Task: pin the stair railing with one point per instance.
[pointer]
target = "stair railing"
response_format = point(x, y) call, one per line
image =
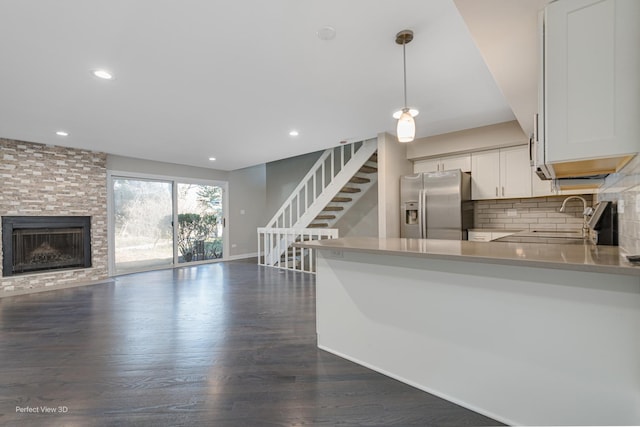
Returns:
point(331, 172)
point(334, 160)
point(280, 241)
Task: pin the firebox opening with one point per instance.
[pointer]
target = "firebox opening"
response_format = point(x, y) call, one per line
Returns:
point(38, 244)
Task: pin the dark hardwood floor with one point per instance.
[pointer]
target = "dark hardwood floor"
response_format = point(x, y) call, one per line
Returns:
point(226, 344)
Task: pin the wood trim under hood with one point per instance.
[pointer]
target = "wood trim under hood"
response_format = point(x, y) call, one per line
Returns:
point(590, 167)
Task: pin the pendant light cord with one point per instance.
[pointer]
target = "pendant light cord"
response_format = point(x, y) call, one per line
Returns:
point(404, 66)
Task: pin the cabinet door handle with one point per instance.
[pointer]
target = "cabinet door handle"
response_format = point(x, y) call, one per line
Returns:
point(502, 191)
point(496, 191)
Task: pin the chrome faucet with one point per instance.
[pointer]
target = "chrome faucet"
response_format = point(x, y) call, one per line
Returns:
point(587, 211)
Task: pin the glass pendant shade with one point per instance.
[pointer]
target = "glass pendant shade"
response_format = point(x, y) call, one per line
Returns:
point(406, 129)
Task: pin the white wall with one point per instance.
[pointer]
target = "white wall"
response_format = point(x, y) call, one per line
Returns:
point(392, 164)
point(150, 167)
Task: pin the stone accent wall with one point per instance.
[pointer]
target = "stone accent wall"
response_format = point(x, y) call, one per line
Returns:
point(50, 180)
point(539, 213)
point(624, 189)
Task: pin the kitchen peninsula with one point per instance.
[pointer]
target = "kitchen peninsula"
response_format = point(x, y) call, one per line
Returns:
point(525, 333)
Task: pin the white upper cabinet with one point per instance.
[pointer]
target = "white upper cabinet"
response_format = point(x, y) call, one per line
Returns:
point(428, 165)
point(515, 172)
point(591, 79)
point(501, 174)
point(462, 162)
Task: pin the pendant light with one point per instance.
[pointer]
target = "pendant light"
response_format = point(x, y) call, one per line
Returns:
point(406, 128)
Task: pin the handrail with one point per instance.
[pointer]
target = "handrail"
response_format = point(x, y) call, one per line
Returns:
point(312, 178)
point(276, 241)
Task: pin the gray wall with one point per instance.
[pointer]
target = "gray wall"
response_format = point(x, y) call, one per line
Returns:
point(282, 178)
point(247, 200)
point(362, 219)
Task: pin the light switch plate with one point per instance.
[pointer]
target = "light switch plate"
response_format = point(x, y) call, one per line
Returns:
point(621, 206)
point(512, 212)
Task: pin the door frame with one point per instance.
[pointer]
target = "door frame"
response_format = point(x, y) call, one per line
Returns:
point(174, 180)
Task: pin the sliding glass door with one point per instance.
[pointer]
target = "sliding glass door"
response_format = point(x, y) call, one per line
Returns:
point(143, 233)
point(159, 223)
point(200, 222)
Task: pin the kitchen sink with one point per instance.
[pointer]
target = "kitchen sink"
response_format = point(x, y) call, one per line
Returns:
point(566, 237)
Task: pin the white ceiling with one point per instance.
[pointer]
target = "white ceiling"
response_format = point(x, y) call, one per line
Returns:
point(202, 78)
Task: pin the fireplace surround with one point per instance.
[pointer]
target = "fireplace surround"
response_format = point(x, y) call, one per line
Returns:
point(33, 244)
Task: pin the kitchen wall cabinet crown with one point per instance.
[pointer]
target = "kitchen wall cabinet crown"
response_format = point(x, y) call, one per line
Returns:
point(501, 174)
point(591, 79)
point(461, 161)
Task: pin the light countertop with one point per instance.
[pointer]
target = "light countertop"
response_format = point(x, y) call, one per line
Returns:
point(587, 257)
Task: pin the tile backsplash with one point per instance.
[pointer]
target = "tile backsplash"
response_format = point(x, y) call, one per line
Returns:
point(540, 213)
point(624, 189)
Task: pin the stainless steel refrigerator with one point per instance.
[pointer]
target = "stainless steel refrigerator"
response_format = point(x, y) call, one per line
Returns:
point(436, 205)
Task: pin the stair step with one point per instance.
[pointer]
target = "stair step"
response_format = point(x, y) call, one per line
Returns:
point(374, 157)
point(359, 180)
point(333, 208)
point(318, 225)
point(321, 217)
point(341, 199)
point(368, 169)
point(350, 190)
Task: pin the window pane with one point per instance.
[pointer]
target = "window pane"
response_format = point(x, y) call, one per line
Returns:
point(200, 228)
point(143, 232)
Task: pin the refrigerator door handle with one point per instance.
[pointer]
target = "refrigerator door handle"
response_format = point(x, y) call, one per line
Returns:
point(423, 214)
point(420, 213)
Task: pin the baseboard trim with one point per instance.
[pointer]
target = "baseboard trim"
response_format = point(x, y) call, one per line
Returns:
point(29, 291)
point(241, 256)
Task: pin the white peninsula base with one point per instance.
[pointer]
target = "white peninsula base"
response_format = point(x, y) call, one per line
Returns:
point(523, 345)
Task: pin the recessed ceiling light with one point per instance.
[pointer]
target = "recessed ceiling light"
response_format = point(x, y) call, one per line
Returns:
point(326, 32)
point(212, 159)
point(294, 133)
point(62, 133)
point(102, 74)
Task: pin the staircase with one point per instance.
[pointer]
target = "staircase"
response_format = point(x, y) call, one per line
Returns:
point(333, 184)
point(354, 189)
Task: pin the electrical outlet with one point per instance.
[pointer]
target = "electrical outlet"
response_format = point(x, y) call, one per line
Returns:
point(241, 211)
point(233, 245)
point(621, 206)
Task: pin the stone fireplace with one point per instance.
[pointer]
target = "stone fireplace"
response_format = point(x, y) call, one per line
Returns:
point(33, 244)
point(43, 184)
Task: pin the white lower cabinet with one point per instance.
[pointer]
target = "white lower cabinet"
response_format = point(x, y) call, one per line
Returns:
point(501, 174)
point(487, 236)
